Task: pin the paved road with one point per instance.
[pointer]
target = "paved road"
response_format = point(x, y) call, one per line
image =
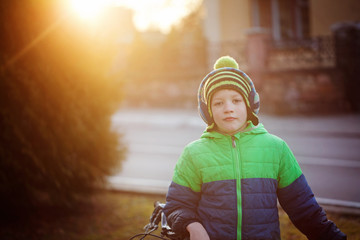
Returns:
point(327, 148)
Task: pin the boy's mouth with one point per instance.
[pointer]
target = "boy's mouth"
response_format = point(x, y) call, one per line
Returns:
point(229, 119)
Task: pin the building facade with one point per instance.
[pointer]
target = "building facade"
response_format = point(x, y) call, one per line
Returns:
point(297, 44)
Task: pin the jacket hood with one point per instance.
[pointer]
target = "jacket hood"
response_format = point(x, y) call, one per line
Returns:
point(251, 129)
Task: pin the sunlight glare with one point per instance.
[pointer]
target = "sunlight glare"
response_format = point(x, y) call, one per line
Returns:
point(88, 9)
point(158, 14)
point(148, 14)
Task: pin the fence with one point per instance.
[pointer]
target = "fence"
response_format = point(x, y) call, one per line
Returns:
point(299, 76)
point(312, 53)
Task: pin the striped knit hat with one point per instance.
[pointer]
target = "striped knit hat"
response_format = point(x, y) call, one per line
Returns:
point(226, 75)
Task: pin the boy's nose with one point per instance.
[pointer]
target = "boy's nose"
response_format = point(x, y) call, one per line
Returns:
point(228, 107)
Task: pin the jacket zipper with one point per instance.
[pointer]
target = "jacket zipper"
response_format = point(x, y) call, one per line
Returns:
point(238, 186)
point(233, 141)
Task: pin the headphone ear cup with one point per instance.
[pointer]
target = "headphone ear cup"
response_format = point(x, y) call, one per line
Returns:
point(204, 113)
point(254, 101)
point(254, 98)
point(251, 99)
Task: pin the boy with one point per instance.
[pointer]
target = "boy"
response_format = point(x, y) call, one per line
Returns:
point(227, 183)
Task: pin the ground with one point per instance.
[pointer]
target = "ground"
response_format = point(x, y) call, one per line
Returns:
point(109, 215)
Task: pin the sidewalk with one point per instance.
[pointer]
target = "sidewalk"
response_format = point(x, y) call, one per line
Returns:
point(348, 125)
point(341, 125)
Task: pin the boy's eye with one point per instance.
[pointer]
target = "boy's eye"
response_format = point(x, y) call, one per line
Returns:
point(237, 100)
point(217, 104)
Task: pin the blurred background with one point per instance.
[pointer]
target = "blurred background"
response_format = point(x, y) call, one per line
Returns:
point(77, 76)
point(299, 52)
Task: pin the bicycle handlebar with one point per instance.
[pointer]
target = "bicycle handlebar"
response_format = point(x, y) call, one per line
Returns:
point(156, 217)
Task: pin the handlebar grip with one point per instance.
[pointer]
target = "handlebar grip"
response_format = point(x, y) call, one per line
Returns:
point(159, 204)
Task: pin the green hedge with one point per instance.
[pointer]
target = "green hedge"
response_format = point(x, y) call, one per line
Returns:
point(56, 103)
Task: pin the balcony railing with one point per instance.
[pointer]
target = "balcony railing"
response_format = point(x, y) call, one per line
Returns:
point(312, 53)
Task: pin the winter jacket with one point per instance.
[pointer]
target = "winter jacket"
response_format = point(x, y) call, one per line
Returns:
point(231, 185)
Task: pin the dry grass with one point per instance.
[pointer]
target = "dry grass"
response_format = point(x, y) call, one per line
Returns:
point(118, 216)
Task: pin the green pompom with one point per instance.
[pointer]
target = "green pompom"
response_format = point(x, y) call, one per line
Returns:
point(226, 61)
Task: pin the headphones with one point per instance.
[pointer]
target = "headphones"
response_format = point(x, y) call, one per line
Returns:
point(253, 98)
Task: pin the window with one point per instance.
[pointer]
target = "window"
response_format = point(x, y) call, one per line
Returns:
point(288, 19)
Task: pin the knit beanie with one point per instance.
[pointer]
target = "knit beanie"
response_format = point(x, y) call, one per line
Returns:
point(226, 75)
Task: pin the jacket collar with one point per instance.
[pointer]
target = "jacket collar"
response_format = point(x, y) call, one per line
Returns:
point(251, 129)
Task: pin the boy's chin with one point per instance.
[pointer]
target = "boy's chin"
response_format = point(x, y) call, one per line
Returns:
point(230, 130)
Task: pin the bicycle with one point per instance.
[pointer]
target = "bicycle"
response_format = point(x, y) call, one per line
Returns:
point(157, 217)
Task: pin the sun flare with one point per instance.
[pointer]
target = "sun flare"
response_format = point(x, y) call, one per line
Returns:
point(88, 9)
point(148, 14)
point(159, 14)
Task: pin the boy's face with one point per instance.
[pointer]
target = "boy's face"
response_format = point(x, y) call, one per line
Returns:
point(229, 111)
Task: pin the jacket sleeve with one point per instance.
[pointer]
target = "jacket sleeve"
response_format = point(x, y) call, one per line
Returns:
point(298, 201)
point(183, 195)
